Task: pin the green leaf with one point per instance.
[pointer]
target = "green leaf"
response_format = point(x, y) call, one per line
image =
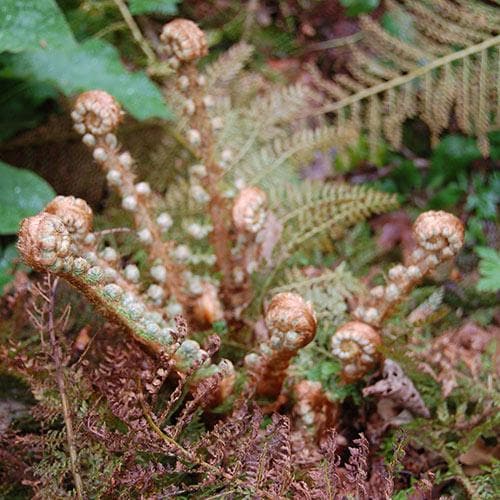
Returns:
point(474, 233)
point(489, 269)
point(28, 24)
point(356, 7)
point(447, 197)
point(22, 194)
point(93, 65)
point(7, 256)
point(485, 197)
point(494, 138)
point(166, 7)
point(451, 157)
point(407, 177)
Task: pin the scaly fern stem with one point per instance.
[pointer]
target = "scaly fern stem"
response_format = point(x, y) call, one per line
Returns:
point(56, 356)
point(412, 75)
point(158, 250)
point(218, 209)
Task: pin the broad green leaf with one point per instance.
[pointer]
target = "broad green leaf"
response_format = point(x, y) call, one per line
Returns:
point(22, 194)
point(93, 65)
point(28, 24)
point(489, 269)
point(166, 7)
point(7, 256)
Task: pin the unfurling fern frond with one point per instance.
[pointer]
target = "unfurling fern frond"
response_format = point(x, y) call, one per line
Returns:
point(448, 63)
point(327, 292)
point(309, 209)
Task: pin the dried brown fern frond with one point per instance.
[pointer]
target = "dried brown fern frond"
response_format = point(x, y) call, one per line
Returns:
point(448, 64)
point(330, 480)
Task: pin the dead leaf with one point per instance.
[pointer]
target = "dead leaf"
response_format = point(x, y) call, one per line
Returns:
point(479, 454)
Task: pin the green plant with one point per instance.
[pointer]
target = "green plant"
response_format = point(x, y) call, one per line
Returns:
point(260, 388)
point(39, 56)
point(392, 79)
point(357, 7)
point(489, 268)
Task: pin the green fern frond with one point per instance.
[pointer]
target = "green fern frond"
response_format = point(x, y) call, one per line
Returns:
point(327, 293)
point(282, 104)
point(227, 67)
point(450, 65)
point(299, 148)
point(273, 163)
point(179, 202)
point(309, 209)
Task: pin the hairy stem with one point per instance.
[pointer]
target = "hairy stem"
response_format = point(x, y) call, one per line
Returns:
point(56, 356)
point(219, 211)
point(136, 32)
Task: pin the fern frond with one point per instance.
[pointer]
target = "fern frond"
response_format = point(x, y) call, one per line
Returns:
point(297, 149)
point(428, 308)
point(327, 293)
point(178, 200)
point(391, 80)
point(309, 209)
point(227, 67)
point(282, 104)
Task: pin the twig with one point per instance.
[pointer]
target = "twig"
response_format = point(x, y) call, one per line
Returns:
point(136, 32)
point(56, 356)
point(119, 25)
point(249, 22)
point(334, 42)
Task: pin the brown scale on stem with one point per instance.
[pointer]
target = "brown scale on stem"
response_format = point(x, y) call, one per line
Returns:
point(355, 344)
point(46, 245)
point(249, 214)
point(439, 237)
point(183, 40)
point(97, 115)
point(75, 213)
point(186, 43)
point(292, 325)
point(77, 217)
point(207, 308)
point(313, 409)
